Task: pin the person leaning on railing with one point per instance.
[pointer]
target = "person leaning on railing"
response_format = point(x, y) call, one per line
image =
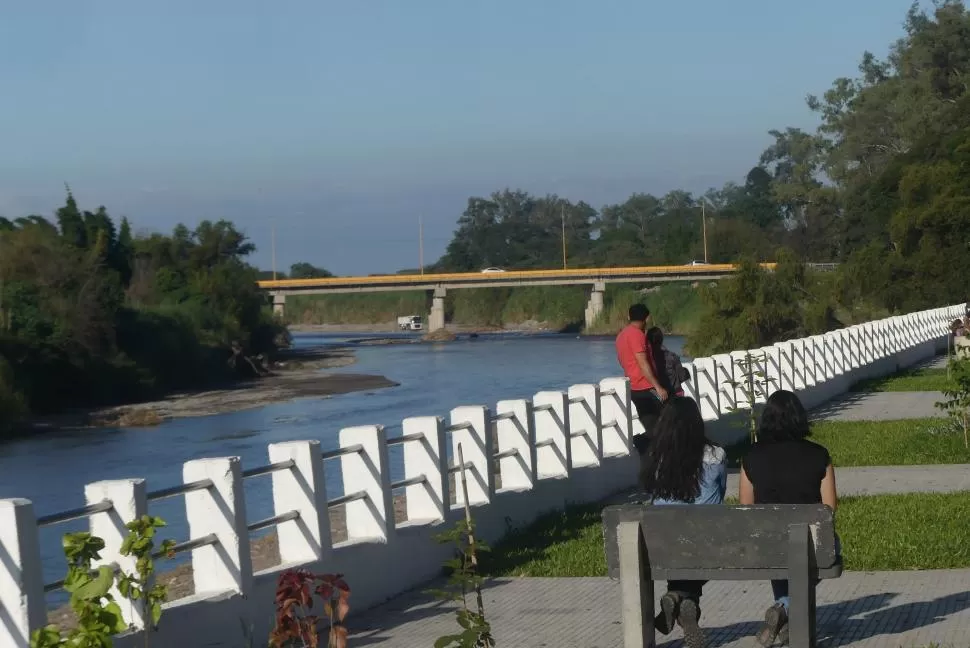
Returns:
point(635, 356)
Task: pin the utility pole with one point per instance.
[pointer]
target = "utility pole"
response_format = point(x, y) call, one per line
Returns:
point(273, 235)
point(421, 243)
point(562, 215)
point(704, 226)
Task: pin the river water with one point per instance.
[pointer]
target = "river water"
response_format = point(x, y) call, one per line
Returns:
point(51, 469)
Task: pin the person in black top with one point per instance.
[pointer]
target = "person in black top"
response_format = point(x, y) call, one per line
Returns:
point(784, 467)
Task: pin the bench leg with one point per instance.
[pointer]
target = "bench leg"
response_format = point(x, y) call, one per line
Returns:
point(636, 587)
point(802, 571)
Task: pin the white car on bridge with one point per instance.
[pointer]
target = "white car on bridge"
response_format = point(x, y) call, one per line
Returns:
point(492, 270)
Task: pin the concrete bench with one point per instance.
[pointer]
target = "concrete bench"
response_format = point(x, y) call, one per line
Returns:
point(645, 543)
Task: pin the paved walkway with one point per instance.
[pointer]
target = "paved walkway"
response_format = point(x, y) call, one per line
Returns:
point(882, 609)
point(860, 609)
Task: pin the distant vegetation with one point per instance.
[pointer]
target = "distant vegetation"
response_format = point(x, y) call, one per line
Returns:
point(90, 314)
point(676, 307)
point(881, 187)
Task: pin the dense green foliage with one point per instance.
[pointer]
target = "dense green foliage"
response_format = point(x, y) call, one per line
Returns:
point(90, 314)
point(555, 307)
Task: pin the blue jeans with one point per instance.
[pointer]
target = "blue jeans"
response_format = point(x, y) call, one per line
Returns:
point(779, 588)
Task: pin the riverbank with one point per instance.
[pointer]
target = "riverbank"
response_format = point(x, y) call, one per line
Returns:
point(296, 374)
point(676, 309)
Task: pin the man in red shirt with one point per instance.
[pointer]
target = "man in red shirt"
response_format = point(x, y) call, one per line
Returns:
point(632, 351)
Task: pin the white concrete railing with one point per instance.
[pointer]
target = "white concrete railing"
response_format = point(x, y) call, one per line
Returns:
point(556, 448)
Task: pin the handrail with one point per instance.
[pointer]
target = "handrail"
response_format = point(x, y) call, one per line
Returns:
point(271, 468)
point(76, 513)
point(273, 521)
point(339, 452)
point(405, 438)
point(344, 499)
point(181, 489)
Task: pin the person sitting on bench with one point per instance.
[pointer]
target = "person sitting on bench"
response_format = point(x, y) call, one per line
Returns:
point(784, 467)
point(680, 466)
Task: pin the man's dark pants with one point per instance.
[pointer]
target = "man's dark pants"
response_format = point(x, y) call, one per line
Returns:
point(648, 411)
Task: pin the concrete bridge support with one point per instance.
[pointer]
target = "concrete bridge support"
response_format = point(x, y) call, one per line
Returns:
point(279, 305)
point(594, 308)
point(436, 321)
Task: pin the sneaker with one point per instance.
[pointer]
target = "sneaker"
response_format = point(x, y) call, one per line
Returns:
point(687, 617)
point(664, 622)
point(776, 619)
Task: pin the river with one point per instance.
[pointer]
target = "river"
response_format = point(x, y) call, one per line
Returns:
point(51, 469)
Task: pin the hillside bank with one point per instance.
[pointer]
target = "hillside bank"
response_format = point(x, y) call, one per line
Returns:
point(676, 308)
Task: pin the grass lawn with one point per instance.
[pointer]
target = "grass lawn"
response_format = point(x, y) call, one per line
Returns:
point(879, 533)
point(911, 380)
point(886, 443)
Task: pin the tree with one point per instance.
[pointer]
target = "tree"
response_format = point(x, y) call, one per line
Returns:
point(303, 270)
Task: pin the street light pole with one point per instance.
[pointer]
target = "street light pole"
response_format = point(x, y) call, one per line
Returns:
point(273, 235)
point(704, 226)
point(562, 215)
point(421, 243)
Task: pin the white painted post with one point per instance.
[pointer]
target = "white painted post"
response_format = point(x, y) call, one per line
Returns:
point(823, 362)
point(21, 578)
point(471, 429)
point(708, 390)
point(129, 502)
point(724, 374)
point(616, 416)
point(426, 456)
point(738, 361)
point(770, 378)
point(584, 418)
point(553, 454)
point(811, 368)
point(303, 489)
point(690, 386)
point(515, 433)
point(226, 565)
point(370, 518)
point(835, 352)
point(786, 370)
point(868, 344)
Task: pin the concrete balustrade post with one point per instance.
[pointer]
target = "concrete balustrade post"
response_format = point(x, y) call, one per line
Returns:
point(471, 429)
point(690, 386)
point(740, 361)
point(822, 363)
point(708, 389)
point(616, 419)
point(426, 456)
point(303, 489)
point(220, 510)
point(129, 503)
point(585, 432)
point(786, 370)
point(515, 433)
point(21, 578)
point(553, 452)
point(727, 398)
point(370, 518)
point(769, 367)
point(835, 342)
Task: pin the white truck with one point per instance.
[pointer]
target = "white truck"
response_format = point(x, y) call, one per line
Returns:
point(410, 323)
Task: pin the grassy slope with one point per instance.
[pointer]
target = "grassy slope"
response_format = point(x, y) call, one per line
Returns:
point(908, 380)
point(676, 307)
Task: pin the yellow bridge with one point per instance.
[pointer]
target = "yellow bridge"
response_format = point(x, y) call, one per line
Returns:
point(439, 283)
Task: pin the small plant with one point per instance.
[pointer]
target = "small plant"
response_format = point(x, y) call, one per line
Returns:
point(957, 403)
point(753, 384)
point(296, 626)
point(98, 614)
point(139, 587)
point(464, 579)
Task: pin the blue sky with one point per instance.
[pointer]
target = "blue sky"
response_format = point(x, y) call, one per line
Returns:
point(346, 120)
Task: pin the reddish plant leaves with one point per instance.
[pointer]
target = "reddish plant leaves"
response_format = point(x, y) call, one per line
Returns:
point(295, 625)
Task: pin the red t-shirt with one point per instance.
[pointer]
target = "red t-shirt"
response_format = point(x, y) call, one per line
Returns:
point(629, 342)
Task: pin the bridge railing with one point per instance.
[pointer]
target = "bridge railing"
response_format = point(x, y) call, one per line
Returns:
point(526, 457)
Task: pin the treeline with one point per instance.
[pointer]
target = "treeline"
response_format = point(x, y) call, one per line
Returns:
point(553, 307)
point(91, 314)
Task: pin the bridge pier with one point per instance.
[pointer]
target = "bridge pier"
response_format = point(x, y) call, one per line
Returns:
point(279, 305)
point(436, 321)
point(594, 308)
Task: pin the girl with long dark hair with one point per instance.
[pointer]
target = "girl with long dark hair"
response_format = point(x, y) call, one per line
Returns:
point(681, 467)
point(784, 467)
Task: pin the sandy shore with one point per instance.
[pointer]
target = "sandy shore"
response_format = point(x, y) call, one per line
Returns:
point(297, 375)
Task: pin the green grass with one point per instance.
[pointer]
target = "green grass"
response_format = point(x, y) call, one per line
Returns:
point(878, 533)
point(885, 443)
point(913, 380)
